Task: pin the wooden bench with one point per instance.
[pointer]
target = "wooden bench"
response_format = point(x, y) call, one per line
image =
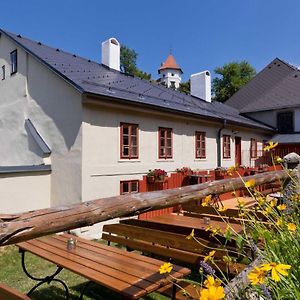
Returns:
point(149, 237)
point(230, 213)
point(8, 293)
point(129, 274)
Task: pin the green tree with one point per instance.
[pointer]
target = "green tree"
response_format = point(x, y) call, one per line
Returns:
point(128, 58)
point(232, 77)
point(185, 87)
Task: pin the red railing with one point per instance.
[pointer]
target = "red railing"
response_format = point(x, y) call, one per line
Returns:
point(179, 179)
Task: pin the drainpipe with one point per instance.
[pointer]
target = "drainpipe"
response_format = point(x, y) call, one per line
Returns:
point(219, 143)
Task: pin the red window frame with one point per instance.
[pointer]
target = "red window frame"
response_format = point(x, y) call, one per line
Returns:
point(129, 189)
point(165, 143)
point(253, 148)
point(129, 150)
point(226, 146)
point(200, 144)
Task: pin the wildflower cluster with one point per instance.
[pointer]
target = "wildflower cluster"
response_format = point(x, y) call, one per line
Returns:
point(270, 229)
point(259, 274)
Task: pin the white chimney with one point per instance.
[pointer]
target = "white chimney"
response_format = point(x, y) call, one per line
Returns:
point(201, 85)
point(111, 53)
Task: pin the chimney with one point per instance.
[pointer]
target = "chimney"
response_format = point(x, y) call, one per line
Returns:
point(111, 54)
point(201, 85)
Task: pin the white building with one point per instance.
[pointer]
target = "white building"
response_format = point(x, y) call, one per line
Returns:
point(73, 130)
point(170, 73)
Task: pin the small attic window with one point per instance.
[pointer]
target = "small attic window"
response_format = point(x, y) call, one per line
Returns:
point(14, 62)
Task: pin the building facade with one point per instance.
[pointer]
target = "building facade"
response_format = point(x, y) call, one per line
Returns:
point(74, 130)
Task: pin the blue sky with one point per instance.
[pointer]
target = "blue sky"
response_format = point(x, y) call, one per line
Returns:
point(203, 34)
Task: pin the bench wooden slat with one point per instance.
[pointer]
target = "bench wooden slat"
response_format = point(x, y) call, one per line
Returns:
point(167, 239)
point(179, 255)
point(231, 213)
point(8, 293)
point(180, 228)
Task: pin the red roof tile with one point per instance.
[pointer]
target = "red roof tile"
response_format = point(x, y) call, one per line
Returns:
point(170, 63)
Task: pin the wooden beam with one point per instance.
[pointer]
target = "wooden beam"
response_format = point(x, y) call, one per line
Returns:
point(25, 226)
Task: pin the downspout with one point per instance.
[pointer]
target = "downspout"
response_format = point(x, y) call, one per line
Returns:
point(219, 143)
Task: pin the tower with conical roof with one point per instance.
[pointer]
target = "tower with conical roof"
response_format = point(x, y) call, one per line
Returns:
point(170, 72)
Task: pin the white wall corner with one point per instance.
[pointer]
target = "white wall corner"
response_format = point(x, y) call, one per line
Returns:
point(111, 53)
point(201, 85)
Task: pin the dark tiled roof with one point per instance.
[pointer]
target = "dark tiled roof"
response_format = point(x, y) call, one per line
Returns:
point(91, 77)
point(276, 86)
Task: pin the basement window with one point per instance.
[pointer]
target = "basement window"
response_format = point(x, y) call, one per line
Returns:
point(129, 186)
point(14, 62)
point(3, 72)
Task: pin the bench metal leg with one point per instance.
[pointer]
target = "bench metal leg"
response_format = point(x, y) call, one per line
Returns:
point(173, 291)
point(47, 279)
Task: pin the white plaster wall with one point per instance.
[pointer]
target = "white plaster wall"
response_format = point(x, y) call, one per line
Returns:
point(270, 117)
point(297, 119)
point(102, 167)
point(16, 148)
point(24, 192)
point(168, 77)
point(55, 109)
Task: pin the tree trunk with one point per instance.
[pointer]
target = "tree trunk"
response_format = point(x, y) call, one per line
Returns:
point(25, 226)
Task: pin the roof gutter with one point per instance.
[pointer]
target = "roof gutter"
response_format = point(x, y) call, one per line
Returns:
point(86, 94)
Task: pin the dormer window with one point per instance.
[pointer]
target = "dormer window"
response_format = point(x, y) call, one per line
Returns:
point(14, 62)
point(285, 122)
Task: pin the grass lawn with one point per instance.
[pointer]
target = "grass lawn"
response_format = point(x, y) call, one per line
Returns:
point(11, 273)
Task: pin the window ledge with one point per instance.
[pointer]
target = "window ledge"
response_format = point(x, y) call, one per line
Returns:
point(200, 159)
point(165, 160)
point(125, 160)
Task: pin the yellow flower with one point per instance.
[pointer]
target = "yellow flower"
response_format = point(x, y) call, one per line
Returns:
point(261, 200)
point(292, 227)
point(267, 210)
point(257, 276)
point(208, 228)
point(222, 209)
point(232, 169)
point(212, 293)
point(250, 183)
point(278, 159)
point(215, 231)
point(165, 268)
point(241, 203)
point(276, 269)
point(210, 281)
point(278, 222)
point(191, 235)
point(209, 256)
point(271, 146)
point(281, 207)
point(273, 202)
point(206, 200)
point(227, 259)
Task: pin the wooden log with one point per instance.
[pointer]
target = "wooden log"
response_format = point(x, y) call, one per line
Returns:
point(37, 223)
